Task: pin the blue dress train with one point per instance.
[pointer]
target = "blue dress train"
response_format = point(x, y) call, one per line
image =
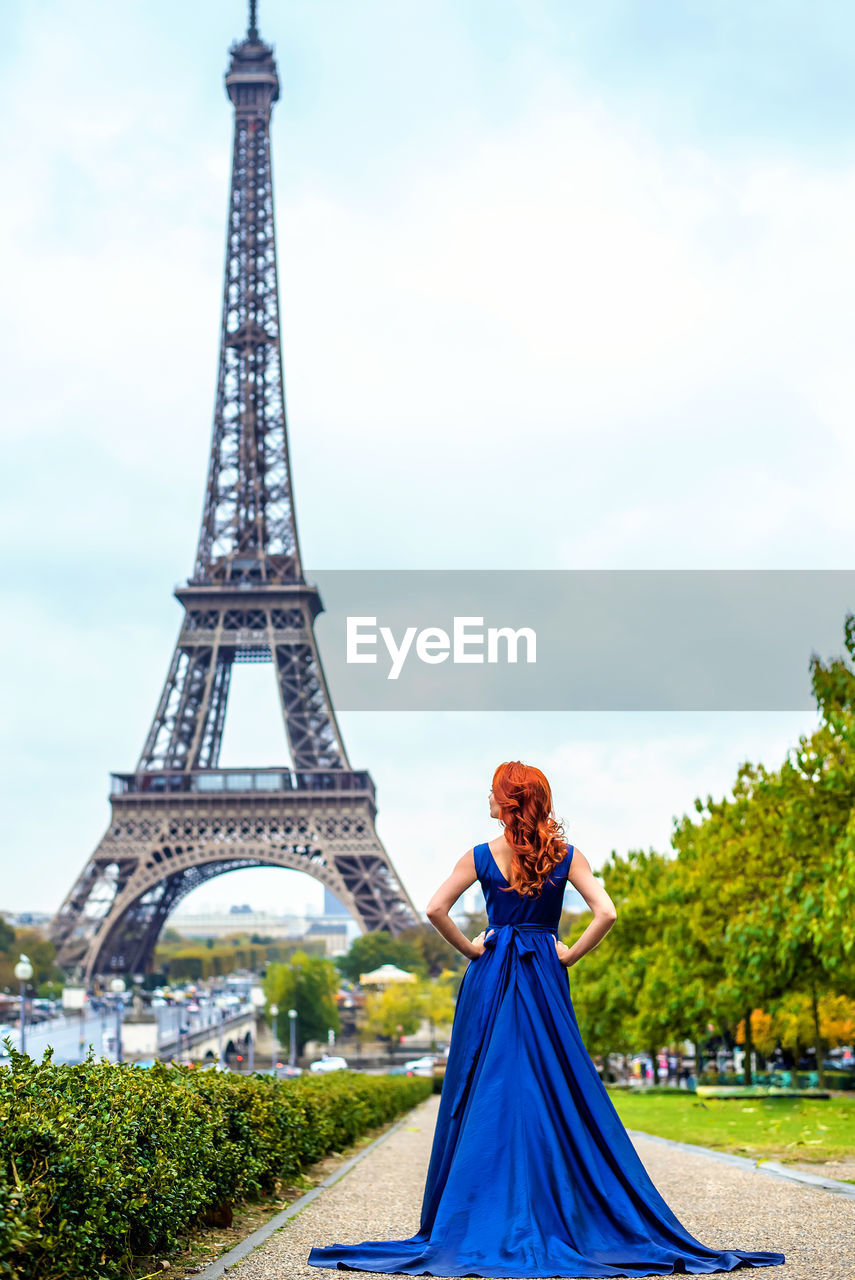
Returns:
point(531, 1173)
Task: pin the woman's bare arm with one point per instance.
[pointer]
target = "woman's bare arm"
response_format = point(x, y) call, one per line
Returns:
point(463, 875)
point(582, 878)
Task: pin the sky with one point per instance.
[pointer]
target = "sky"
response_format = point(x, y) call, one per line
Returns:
point(563, 286)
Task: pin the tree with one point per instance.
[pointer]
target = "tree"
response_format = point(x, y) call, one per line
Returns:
point(763, 1032)
point(371, 950)
point(308, 984)
point(749, 837)
point(40, 951)
point(833, 686)
point(395, 1010)
point(433, 951)
point(793, 1023)
point(607, 983)
point(437, 1001)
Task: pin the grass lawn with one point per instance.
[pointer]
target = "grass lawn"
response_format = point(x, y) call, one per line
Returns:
point(781, 1128)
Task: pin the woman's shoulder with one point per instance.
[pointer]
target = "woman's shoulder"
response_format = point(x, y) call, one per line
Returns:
point(478, 853)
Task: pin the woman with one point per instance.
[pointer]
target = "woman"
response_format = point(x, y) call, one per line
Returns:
point(531, 1172)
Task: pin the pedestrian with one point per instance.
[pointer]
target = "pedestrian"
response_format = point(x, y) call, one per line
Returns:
point(531, 1173)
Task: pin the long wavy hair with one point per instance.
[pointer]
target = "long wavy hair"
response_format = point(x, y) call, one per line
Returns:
point(537, 839)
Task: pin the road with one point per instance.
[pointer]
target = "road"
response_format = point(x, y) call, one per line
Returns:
point(71, 1034)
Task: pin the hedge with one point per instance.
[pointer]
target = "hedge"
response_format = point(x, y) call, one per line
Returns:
point(101, 1164)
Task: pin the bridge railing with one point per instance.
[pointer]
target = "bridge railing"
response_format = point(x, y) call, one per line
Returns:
point(204, 1027)
point(237, 781)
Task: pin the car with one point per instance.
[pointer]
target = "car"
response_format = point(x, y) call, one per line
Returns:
point(329, 1062)
point(420, 1066)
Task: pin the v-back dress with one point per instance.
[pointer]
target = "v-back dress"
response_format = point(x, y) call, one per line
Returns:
point(531, 1173)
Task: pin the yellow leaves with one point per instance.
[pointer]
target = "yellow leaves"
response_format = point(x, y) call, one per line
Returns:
point(762, 1032)
point(792, 1023)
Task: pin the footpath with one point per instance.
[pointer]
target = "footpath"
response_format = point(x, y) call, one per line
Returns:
point(378, 1196)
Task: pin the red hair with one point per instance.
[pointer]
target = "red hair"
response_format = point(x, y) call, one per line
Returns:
point(524, 798)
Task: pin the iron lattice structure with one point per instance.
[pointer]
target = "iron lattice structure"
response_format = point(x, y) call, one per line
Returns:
point(179, 820)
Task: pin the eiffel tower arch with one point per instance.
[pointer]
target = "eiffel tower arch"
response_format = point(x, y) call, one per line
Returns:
point(179, 820)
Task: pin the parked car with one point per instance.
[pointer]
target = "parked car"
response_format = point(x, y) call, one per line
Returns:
point(838, 1064)
point(48, 1007)
point(329, 1062)
point(420, 1066)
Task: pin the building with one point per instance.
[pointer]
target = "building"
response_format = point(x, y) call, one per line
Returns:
point(219, 923)
point(333, 933)
point(336, 933)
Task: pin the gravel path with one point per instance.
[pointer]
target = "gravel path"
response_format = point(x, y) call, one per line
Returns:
point(725, 1207)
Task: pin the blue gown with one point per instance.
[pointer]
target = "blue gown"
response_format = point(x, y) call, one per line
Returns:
point(532, 1173)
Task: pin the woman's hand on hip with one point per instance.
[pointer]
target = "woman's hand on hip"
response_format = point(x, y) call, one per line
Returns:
point(478, 941)
point(564, 953)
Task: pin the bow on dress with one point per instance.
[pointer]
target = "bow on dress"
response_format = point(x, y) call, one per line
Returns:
point(486, 1000)
point(522, 936)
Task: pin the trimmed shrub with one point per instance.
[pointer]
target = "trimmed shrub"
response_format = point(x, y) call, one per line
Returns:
point(101, 1163)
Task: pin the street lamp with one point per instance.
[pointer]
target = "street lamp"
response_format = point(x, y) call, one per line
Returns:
point(23, 972)
point(257, 1001)
point(117, 986)
point(292, 1055)
point(274, 1013)
point(178, 998)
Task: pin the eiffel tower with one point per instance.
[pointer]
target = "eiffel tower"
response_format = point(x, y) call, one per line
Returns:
point(179, 820)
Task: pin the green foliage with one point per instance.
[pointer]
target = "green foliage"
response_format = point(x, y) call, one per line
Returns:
point(100, 1163)
point(198, 960)
point(757, 905)
point(40, 951)
point(398, 1009)
point(370, 950)
point(607, 982)
point(309, 985)
point(792, 1024)
point(394, 1011)
point(433, 953)
point(439, 998)
point(7, 936)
